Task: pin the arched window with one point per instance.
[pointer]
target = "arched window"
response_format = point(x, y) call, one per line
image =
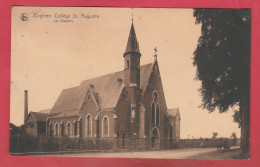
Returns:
point(153, 113)
point(75, 128)
point(68, 129)
point(127, 63)
point(97, 126)
point(105, 127)
point(155, 109)
point(155, 96)
point(56, 132)
point(88, 125)
point(50, 129)
point(157, 114)
point(89, 97)
point(79, 127)
point(62, 129)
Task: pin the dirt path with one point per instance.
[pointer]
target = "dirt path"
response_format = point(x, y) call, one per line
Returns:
point(166, 154)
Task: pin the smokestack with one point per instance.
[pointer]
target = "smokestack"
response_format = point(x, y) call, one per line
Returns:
point(25, 104)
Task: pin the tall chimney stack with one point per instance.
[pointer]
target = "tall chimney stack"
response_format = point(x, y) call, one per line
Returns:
point(25, 104)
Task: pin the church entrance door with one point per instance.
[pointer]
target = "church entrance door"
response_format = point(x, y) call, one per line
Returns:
point(123, 140)
point(155, 140)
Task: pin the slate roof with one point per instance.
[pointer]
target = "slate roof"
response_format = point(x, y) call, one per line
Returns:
point(47, 111)
point(132, 44)
point(39, 116)
point(173, 112)
point(67, 114)
point(107, 89)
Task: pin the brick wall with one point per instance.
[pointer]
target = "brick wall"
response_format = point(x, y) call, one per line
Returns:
point(65, 121)
point(31, 126)
point(155, 83)
point(90, 108)
point(123, 116)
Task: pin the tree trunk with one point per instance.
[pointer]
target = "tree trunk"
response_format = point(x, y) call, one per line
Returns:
point(245, 128)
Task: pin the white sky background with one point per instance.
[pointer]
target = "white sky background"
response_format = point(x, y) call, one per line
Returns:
point(48, 57)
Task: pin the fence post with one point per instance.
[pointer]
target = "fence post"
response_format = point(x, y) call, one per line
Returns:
point(101, 145)
point(136, 143)
point(149, 143)
point(18, 142)
point(76, 144)
point(60, 144)
point(130, 145)
point(41, 143)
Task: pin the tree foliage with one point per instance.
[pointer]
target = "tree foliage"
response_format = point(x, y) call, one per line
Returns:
point(14, 130)
point(234, 135)
point(222, 57)
point(237, 117)
point(215, 134)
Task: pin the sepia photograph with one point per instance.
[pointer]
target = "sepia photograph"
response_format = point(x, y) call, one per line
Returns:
point(162, 83)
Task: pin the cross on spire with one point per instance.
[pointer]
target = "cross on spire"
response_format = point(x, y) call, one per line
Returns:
point(155, 50)
point(132, 16)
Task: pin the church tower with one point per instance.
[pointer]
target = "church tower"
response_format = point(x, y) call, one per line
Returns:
point(132, 57)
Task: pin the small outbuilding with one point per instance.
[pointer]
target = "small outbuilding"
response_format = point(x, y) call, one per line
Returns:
point(35, 123)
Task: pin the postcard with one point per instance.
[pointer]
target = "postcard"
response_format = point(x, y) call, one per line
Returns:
point(130, 82)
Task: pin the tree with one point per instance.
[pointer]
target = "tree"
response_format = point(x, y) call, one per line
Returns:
point(13, 129)
point(215, 134)
point(222, 58)
point(234, 135)
point(237, 118)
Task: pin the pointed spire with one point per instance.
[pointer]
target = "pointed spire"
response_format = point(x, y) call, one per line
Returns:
point(132, 44)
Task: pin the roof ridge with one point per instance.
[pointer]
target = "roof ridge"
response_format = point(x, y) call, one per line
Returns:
point(109, 74)
point(106, 86)
point(70, 87)
point(99, 77)
point(40, 113)
point(37, 113)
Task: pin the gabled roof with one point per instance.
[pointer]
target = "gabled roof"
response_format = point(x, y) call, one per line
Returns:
point(47, 111)
point(67, 114)
point(107, 88)
point(173, 112)
point(41, 117)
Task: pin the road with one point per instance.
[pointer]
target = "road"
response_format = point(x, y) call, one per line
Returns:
point(165, 154)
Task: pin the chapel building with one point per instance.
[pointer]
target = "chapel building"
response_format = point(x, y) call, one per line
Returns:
point(121, 105)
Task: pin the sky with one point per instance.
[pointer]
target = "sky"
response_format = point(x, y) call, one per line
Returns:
point(48, 55)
